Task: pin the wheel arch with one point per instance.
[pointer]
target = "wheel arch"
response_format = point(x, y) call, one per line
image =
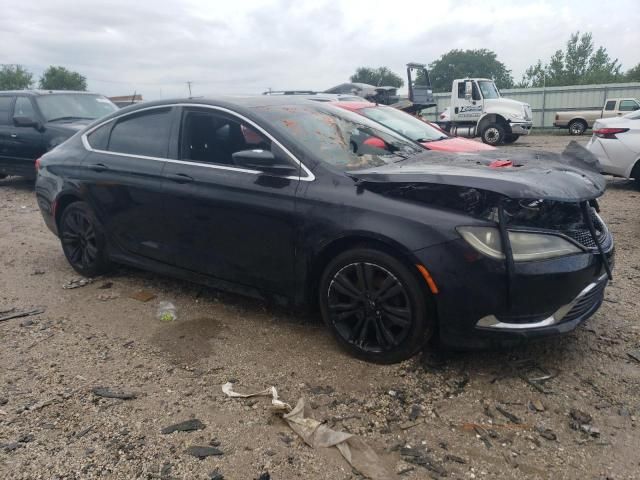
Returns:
point(62, 202)
point(490, 118)
point(331, 249)
point(634, 170)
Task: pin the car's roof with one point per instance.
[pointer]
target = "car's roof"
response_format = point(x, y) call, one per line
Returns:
point(44, 92)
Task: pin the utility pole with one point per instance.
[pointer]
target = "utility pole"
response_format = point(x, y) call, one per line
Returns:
point(189, 84)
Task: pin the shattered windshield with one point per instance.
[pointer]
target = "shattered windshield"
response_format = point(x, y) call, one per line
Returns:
point(343, 139)
point(489, 89)
point(403, 123)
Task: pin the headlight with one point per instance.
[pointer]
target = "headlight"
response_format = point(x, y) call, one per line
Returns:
point(526, 246)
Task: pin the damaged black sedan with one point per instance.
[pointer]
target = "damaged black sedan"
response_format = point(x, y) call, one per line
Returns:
point(303, 203)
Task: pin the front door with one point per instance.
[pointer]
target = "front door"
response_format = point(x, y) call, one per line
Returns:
point(228, 222)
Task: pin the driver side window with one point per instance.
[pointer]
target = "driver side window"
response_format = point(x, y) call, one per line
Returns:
point(24, 108)
point(210, 137)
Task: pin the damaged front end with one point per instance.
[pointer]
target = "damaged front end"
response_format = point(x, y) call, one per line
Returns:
point(539, 233)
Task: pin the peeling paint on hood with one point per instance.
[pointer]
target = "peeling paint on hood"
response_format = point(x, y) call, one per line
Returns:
point(572, 176)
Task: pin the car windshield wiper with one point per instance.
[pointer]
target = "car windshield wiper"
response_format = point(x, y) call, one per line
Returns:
point(69, 118)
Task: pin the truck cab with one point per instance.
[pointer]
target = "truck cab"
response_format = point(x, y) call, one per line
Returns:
point(478, 109)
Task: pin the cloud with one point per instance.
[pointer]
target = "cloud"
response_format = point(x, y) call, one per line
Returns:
point(248, 46)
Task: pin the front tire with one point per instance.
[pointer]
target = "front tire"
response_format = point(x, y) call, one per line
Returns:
point(375, 306)
point(577, 127)
point(83, 240)
point(493, 134)
point(509, 139)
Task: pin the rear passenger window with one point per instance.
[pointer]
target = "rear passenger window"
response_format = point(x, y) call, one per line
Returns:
point(146, 134)
point(24, 108)
point(5, 106)
point(628, 106)
point(611, 105)
point(99, 138)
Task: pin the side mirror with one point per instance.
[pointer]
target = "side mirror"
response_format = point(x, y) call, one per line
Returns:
point(264, 161)
point(26, 122)
point(468, 89)
point(375, 142)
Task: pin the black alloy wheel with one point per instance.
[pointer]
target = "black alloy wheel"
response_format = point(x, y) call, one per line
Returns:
point(577, 127)
point(375, 306)
point(83, 240)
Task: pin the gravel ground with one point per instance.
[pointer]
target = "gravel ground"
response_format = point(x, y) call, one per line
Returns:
point(459, 415)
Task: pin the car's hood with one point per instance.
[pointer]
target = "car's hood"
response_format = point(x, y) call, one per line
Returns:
point(572, 176)
point(72, 125)
point(457, 144)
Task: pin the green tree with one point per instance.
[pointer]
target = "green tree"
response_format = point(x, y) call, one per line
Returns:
point(468, 63)
point(14, 77)
point(633, 74)
point(580, 63)
point(59, 78)
point(379, 77)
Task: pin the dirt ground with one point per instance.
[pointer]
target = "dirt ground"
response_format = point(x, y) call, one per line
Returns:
point(454, 415)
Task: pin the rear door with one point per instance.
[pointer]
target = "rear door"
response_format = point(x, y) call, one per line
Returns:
point(123, 177)
point(7, 142)
point(228, 222)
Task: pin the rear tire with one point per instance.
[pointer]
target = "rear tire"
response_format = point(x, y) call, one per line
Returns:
point(83, 240)
point(493, 134)
point(508, 139)
point(577, 127)
point(375, 306)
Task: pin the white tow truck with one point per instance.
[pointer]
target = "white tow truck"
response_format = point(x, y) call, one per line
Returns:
point(478, 110)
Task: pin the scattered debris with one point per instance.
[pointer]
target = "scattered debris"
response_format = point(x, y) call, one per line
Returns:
point(510, 416)
point(20, 314)
point(327, 390)
point(142, 295)
point(216, 475)
point(105, 297)
point(77, 283)
point(107, 393)
point(203, 452)
point(315, 434)
point(38, 272)
point(580, 416)
point(186, 426)
point(10, 447)
point(415, 412)
point(106, 285)
point(26, 438)
point(536, 405)
point(581, 421)
point(166, 312)
point(423, 459)
point(454, 458)
point(482, 434)
point(635, 354)
point(26, 323)
point(591, 430)
point(546, 433)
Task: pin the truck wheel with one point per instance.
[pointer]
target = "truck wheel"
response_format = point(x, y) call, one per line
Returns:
point(493, 134)
point(2, 176)
point(577, 127)
point(511, 138)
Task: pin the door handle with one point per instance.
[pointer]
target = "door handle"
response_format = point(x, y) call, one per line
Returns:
point(98, 167)
point(179, 178)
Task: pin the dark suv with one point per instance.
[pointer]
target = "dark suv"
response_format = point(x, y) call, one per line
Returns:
point(33, 122)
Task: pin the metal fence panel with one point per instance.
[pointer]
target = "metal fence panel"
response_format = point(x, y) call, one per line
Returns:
point(546, 101)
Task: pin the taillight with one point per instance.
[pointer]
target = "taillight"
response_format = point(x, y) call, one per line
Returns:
point(608, 132)
point(38, 164)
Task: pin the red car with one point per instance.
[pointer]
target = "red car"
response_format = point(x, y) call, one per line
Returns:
point(431, 137)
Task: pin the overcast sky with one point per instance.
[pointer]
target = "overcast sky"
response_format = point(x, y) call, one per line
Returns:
point(246, 46)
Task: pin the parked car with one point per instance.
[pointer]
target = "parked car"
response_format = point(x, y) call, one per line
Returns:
point(616, 144)
point(431, 137)
point(577, 121)
point(32, 122)
point(266, 196)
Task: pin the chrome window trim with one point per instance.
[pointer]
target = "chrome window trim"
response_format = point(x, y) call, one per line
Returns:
point(310, 177)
